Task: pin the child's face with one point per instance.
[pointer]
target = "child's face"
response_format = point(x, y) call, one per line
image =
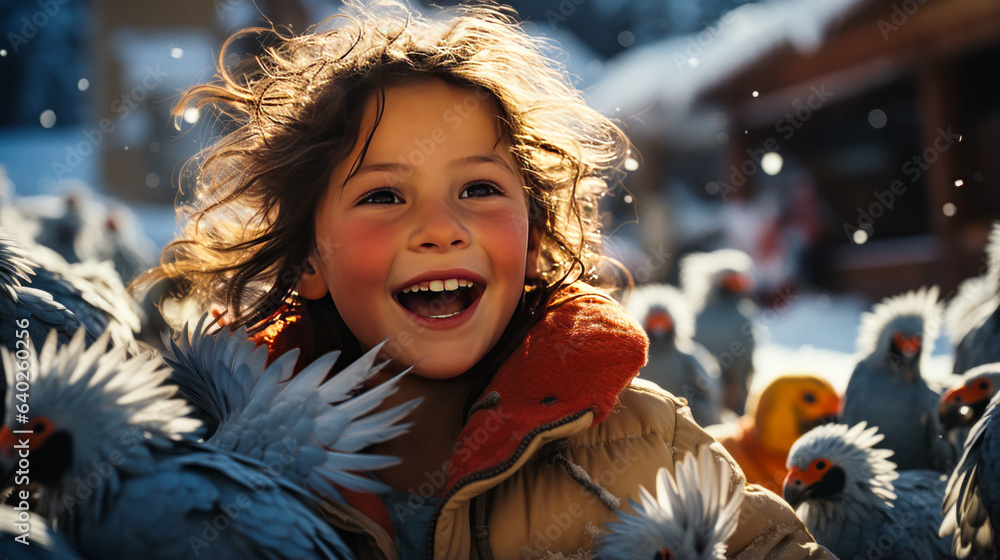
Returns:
point(427, 244)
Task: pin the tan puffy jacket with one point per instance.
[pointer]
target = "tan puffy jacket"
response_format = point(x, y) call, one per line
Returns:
point(568, 390)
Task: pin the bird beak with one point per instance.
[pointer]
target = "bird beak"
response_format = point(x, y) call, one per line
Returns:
point(797, 485)
point(659, 324)
point(909, 347)
point(963, 406)
point(830, 404)
point(737, 283)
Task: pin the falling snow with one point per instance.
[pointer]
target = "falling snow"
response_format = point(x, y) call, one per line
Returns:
point(47, 118)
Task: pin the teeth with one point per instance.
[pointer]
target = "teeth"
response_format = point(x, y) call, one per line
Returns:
point(444, 316)
point(450, 284)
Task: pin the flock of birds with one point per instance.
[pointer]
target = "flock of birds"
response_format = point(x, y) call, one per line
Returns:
point(119, 441)
point(893, 468)
point(113, 447)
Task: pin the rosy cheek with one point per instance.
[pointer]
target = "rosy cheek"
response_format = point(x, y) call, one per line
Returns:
point(509, 234)
point(364, 250)
point(512, 217)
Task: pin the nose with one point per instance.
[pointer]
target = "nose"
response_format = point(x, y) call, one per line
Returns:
point(438, 226)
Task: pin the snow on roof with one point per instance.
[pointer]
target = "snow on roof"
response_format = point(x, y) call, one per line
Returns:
point(660, 82)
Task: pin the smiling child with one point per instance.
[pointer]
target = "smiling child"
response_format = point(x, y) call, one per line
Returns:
point(434, 183)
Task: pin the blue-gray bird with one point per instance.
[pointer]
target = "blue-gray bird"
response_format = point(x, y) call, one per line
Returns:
point(887, 388)
point(853, 500)
point(22, 303)
point(67, 232)
point(719, 286)
point(27, 313)
point(258, 410)
point(971, 506)
point(26, 536)
point(964, 403)
point(125, 245)
point(124, 475)
point(968, 307)
point(693, 514)
point(676, 362)
point(980, 344)
point(93, 291)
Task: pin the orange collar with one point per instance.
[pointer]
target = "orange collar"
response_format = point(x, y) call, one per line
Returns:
point(578, 358)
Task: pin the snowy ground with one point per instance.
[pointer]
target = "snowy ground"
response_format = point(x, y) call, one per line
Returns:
point(816, 334)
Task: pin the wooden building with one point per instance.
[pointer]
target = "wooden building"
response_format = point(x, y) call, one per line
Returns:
point(896, 116)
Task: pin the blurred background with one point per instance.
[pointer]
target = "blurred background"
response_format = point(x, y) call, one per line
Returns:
point(850, 147)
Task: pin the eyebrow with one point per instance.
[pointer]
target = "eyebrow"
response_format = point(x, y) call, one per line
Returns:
point(482, 158)
point(457, 162)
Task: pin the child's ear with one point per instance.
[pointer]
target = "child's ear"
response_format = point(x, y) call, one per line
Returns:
point(312, 284)
point(531, 262)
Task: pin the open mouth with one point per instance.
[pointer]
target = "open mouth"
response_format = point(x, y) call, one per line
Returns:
point(439, 299)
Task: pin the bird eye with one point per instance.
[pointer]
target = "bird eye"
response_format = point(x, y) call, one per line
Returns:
point(984, 385)
point(821, 465)
point(809, 397)
point(958, 398)
point(39, 428)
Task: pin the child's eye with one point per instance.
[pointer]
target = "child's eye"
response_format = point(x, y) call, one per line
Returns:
point(380, 196)
point(480, 189)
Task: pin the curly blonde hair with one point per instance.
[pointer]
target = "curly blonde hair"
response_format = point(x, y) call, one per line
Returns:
point(294, 112)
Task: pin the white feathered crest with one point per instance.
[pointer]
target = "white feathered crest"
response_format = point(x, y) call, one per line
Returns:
point(15, 266)
point(692, 514)
point(993, 256)
point(868, 471)
point(966, 309)
point(107, 401)
point(315, 425)
point(650, 296)
point(699, 272)
point(913, 311)
point(973, 375)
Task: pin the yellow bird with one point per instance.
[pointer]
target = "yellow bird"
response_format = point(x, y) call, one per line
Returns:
point(788, 407)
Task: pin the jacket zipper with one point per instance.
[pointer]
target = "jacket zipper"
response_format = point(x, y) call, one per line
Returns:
point(481, 475)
